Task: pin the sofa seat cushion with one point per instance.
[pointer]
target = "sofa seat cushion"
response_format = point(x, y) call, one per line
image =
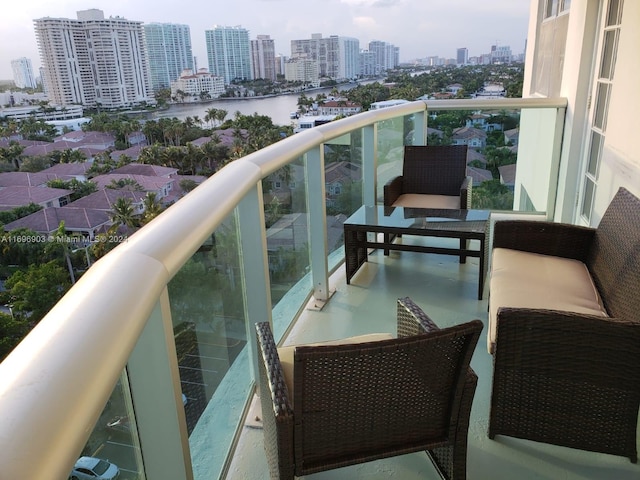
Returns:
point(417, 200)
point(286, 353)
point(531, 280)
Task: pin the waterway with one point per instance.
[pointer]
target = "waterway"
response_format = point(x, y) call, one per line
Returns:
point(278, 107)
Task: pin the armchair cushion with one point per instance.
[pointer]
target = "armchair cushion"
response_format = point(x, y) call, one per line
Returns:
point(531, 280)
point(417, 200)
point(286, 353)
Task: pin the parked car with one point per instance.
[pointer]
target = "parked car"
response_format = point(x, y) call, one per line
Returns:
point(95, 469)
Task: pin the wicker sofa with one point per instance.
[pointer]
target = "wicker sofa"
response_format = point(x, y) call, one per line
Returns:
point(564, 331)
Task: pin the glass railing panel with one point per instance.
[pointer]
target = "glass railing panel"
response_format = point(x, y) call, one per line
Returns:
point(393, 135)
point(343, 171)
point(114, 444)
point(287, 219)
point(207, 312)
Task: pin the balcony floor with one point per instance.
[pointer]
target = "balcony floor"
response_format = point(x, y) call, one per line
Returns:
point(447, 291)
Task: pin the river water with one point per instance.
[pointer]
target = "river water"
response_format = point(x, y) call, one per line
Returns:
point(278, 107)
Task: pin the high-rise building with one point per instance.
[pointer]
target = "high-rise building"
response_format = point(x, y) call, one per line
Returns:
point(348, 58)
point(169, 51)
point(386, 55)
point(500, 54)
point(462, 56)
point(23, 73)
point(338, 57)
point(229, 53)
point(263, 58)
point(367, 63)
point(301, 68)
point(94, 61)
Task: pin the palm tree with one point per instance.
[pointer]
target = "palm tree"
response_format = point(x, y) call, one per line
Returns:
point(122, 213)
point(152, 207)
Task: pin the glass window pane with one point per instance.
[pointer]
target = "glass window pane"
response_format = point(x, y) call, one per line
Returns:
point(602, 96)
point(551, 8)
point(594, 153)
point(615, 11)
point(587, 198)
point(566, 5)
point(608, 54)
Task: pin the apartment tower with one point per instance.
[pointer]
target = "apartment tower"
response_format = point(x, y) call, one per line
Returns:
point(263, 58)
point(229, 53)
point(386, 56)
point(462, 56)
point(169, 50)
point(23, 73)
point(94, 61)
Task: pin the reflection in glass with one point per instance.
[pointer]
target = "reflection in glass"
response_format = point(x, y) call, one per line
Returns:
point(602, 97)
point(207, 311)
point(587, 198)
point(594, 154)
point(115, 436)
point(608, 54)
point(287, 220)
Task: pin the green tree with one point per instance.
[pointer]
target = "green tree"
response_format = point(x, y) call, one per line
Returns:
point(12, 330)
point(152, 207)
point(122, 213)
point(37, 289)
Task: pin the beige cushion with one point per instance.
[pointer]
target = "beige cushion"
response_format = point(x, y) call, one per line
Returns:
point(416, 200)
point(531, 280)
point(286, 353)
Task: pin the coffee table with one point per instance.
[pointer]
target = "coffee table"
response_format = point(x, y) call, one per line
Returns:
point(394, 222)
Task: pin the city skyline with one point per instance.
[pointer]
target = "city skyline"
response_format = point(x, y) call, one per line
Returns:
point(473, 25)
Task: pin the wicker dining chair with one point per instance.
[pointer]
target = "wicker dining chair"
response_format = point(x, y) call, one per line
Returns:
point(433, 176)
point(350, 403)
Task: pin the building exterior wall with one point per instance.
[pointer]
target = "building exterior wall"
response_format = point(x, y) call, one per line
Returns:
point(194, 85)
point(572, 60)
point(229, 53)
point(349, 60)
point(94, 61)
point(23, 75)
point(170, 52)
point(263, 58)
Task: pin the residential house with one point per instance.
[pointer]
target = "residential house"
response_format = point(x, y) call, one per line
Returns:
point(338, 175)
point(105, 199)
point(508, 175)
point(473, 137)
point(339, 107)
point(68, 171)
point(162, 186)
point(17, 196)
point(85, 222)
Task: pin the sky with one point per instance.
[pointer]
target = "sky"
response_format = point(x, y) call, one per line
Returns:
point(420, 28)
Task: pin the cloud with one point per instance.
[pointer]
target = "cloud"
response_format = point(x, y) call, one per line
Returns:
point(373, 3)
point(367, 23)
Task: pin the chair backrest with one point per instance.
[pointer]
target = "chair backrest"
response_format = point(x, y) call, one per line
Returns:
point(434, 169)
point(363, 401)
point(614, 258)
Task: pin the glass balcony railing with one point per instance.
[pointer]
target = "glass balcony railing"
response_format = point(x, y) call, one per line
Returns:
point(148, 361)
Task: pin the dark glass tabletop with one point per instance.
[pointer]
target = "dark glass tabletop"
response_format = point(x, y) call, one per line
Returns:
point(420, 218)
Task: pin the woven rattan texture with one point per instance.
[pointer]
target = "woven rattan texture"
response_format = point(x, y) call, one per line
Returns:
point(566, 378)
point(360, 402)
point(432, 170)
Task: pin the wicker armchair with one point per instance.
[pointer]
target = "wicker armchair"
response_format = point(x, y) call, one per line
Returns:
point(570, 378)
point(357, 402)
point(433, 176)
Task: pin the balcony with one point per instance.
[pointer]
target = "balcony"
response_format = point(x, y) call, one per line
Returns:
point(159, 331)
